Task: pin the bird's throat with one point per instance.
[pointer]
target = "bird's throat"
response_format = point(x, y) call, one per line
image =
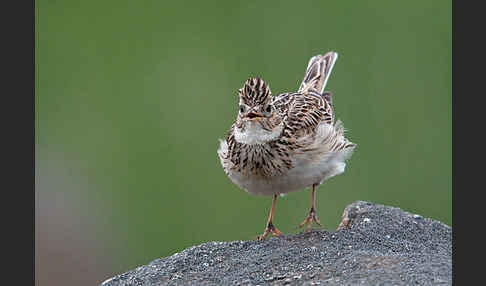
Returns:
point(252, 133)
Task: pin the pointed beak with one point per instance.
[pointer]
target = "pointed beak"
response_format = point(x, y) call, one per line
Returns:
point(254, 116)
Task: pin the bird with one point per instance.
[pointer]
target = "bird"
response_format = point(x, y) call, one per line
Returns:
point(288, 142)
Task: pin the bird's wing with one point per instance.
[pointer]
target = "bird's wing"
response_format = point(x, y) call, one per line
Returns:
point(282, 103)
point(309, 130)
point(305, 113)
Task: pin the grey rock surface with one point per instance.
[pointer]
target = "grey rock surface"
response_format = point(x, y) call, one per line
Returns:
point(373, 245)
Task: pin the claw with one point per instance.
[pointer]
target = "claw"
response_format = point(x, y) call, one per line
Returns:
point(271, 229)
point(309, 219)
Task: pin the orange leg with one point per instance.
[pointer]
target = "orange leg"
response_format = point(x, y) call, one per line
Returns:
point(312, 214)
point(270, 229)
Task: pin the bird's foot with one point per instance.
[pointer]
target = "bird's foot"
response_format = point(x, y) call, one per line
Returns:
point(309, 219)
point(271, 229)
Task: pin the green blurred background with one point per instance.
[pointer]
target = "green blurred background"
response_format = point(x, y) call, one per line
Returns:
point(132, 96)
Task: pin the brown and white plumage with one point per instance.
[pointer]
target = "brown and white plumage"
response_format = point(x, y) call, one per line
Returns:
point(284, 143)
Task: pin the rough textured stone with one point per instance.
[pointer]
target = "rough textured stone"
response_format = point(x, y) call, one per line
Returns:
point(373, 245)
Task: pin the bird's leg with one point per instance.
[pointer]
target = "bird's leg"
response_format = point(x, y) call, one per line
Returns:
point(312, 214)
point(270, 227)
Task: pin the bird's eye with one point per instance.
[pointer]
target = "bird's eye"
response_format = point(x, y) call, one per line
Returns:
point(242, 108)
point(269, 108)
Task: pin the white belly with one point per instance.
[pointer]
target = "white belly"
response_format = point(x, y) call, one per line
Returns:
point(309, 167)
point(305, 173)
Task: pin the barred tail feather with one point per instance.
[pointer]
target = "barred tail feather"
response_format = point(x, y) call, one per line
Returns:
point(318, 70)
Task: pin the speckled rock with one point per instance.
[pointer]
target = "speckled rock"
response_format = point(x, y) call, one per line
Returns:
point(373, 245)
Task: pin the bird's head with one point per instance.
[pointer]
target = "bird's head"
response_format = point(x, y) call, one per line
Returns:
point(258, 122)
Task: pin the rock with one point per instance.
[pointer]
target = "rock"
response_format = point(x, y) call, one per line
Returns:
point(373, 245)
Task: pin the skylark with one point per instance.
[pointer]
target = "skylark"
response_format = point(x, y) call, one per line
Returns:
point(284, 143)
